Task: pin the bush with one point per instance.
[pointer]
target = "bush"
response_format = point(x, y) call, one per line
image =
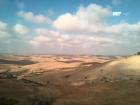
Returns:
point(8, 101)
point(138, 53)
point(35, 100)
point(42, 100)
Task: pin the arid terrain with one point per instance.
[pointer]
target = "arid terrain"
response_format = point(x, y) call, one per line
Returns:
point(69, 80)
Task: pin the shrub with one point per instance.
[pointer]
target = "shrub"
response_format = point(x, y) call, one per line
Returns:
point(8, 101)
point(138, 53)
point(39, 100)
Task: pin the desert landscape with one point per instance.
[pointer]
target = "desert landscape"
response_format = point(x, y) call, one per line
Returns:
point(69, 52)
point(69, 80)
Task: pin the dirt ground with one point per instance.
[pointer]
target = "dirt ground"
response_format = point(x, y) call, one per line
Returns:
point(69, 84)
point(117, 93)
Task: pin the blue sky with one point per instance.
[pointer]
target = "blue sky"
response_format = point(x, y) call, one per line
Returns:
point(8, 8)
point(110, 27)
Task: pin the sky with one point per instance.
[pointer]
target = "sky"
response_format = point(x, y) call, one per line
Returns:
point(98, 27)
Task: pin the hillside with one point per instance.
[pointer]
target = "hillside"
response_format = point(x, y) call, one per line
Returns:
point(70, 80)
point(127, 68)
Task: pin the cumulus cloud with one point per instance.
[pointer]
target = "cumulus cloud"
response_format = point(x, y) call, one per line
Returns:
point(91, 21)
point(21, 29)
point(31, 17)
point(3, 25)
point(117, 13)
point(89, 18)
point(85, 31)
point(3, 29)
point(9, 42)
point(56, 42)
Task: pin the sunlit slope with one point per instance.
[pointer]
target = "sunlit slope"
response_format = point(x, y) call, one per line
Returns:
point(124, 68)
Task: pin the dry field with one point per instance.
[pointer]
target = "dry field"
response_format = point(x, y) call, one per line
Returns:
point(69, 80)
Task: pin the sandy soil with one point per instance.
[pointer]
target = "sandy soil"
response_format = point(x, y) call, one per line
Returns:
point(71, 80)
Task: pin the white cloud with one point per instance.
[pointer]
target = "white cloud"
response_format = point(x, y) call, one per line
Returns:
point(117, 13)
point(9, 42)
point(38, 19)
point(91, 21)
point(85, 31)
point(21, 29)
point(89, 18)
point(3, 29)
point(3, 25)
point(52, 41)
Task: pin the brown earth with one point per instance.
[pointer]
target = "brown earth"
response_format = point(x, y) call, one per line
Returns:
point(72, 80)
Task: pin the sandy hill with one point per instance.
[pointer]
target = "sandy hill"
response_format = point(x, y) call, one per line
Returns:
point(123, 68)
point(127, 68)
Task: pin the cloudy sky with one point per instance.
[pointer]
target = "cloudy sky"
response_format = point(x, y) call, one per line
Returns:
point(103, 27)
